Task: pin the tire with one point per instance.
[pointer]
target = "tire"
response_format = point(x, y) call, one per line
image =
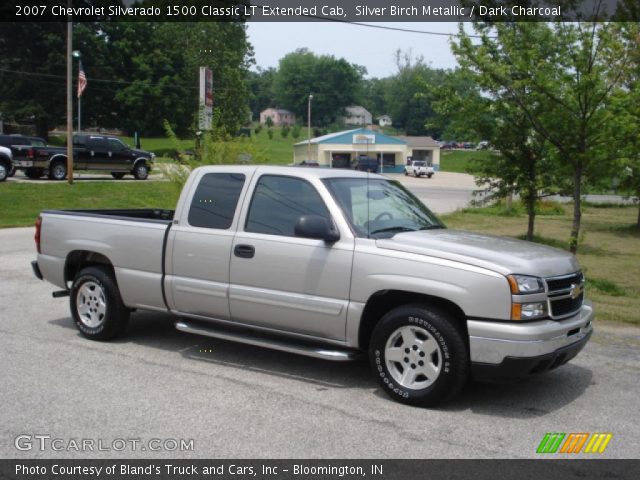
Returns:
point(430, 175)
point(96, 304)
point(12, 172)
point(416, 333)
point(4, 171)
point(58, 171)
point(117, 175)
point(406, 174)
point(141, 171)
point(33, 173)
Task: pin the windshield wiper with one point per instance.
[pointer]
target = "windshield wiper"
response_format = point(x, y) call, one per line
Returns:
point(393, 229)
point(431, 227)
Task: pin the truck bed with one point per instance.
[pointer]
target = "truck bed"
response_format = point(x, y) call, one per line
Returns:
point(155, 215)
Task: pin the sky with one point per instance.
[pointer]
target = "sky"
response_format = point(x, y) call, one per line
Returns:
point(371, 47)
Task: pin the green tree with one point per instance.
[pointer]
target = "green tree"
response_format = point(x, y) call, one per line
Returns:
point(138, 73)
point(284, 131)
point(295, 131)
point(261, 88)
point(269, 122)
point(334, 83)
point(408, 107)
point(561, 77)
point(625, 123)
point(522, 164)
point(32, 74)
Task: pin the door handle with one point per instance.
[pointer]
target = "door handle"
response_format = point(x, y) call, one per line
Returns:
point(244, 251)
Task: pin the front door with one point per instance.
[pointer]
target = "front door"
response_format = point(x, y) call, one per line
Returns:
point(281, 281)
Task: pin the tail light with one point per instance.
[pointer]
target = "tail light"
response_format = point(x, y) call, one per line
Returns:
point(37, 235)
point(31, 153)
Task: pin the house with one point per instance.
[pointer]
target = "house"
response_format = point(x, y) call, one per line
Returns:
point(279, 116)
point(385, 121)
point(357, 115)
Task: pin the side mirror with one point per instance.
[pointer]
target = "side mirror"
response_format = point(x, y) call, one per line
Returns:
point(318, 227)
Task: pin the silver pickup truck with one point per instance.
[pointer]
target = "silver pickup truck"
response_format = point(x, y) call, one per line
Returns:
point(326, 263)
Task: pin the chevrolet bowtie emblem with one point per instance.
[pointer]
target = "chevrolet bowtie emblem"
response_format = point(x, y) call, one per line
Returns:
point(576, 291)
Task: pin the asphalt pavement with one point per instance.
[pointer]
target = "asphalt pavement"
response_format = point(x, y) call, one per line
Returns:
point(230, 400)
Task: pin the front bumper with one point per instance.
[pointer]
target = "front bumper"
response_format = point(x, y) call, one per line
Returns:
point(502, 350)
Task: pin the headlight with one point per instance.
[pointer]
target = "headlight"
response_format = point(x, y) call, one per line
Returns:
point(524, 284)
point(528, 311)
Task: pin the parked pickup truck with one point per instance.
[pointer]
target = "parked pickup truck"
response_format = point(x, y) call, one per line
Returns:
point(7, 144)
point(326, 263)
point(419, 168)
point(90, 152)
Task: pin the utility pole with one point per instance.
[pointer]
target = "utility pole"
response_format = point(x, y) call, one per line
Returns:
point(309, 128)
point(69, 98)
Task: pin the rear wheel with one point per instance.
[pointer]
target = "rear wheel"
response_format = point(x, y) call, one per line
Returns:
point(58, 171)
point(141, 171)
point(96, 304)
point(4, 171)
point(418, 355)
point(117, 175)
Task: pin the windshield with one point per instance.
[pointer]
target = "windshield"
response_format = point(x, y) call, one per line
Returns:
point(378, 208)
point(419, 164)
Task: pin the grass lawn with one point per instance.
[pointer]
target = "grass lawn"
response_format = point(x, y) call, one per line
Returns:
point(609, 251)
point(23, 201)
point(459, 161)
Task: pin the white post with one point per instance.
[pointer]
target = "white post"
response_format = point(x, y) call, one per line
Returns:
point(79, 112)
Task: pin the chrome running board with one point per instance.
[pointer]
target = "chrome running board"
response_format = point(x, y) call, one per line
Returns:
point(282, 344)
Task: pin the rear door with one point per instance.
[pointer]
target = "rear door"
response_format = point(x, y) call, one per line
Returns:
point(199, 245)
point(281, 281)
point(96, 156)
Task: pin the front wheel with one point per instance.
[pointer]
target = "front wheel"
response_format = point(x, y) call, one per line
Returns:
point(117, 175)
point(418, 355)
point(96, 304)
point(141, 171)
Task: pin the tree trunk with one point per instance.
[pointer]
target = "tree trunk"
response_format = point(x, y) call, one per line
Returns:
point(638, 222)
point(531, 211)
point(577, 209)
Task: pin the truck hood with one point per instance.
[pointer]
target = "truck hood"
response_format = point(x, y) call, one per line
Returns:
point(141, 153)
point(499, 254)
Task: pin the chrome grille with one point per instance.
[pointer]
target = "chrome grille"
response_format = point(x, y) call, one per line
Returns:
point(563, 301)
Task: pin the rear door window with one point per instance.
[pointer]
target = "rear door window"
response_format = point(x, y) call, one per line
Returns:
point(215, 200)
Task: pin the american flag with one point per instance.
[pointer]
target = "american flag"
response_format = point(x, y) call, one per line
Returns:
point(82, 81)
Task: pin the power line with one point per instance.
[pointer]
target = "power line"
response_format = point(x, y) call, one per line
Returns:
point(397, 29)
